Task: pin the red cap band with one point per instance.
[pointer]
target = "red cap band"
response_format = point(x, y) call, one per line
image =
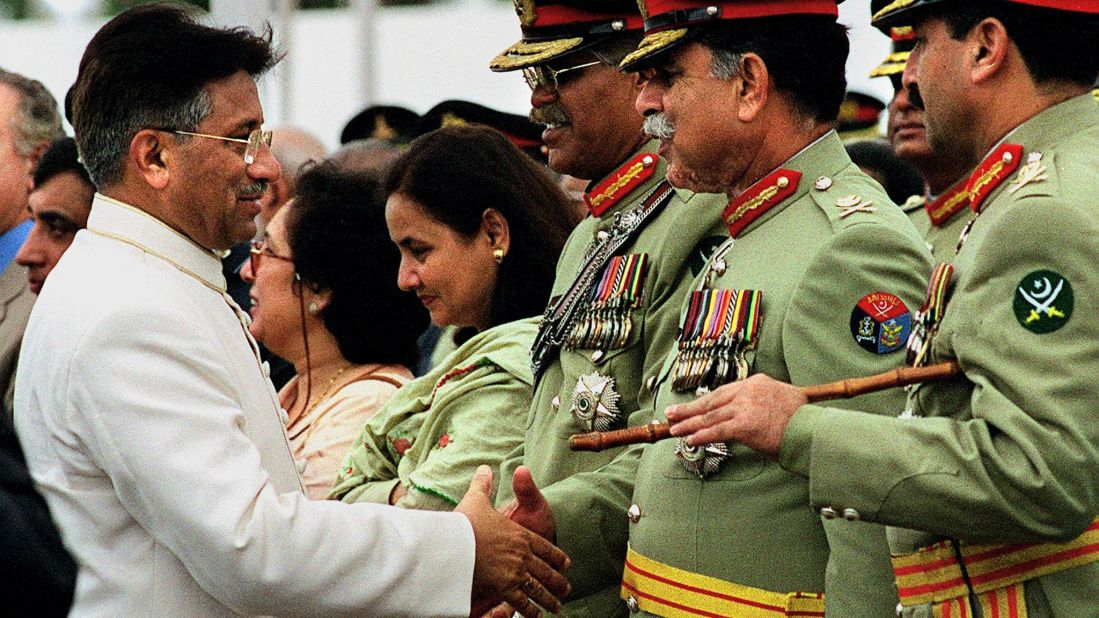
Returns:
point(559, 15)
point(746, 9)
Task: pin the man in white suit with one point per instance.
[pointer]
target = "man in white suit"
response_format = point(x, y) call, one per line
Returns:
point(147, 419)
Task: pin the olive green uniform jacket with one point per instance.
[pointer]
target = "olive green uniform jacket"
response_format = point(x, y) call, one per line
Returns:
point(1009, 452)
point(941, 237)
point(674, 240)
point(436, 430)
point(750, 522)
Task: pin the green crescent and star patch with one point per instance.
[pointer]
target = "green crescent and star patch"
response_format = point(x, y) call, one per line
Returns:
point(1043, 301)
point(702, 252)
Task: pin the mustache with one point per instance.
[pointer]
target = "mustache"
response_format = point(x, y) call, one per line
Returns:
point(256, 188)
point(552, 114)
point(914, 96)
point(658, 126)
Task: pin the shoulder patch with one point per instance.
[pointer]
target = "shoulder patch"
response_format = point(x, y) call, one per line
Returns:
point(1043, 301)
point(880, 323)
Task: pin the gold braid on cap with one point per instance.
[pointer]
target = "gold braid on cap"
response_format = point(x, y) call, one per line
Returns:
point(524, 54)
point(653, 43)
point(889, 8)
point(893, 64)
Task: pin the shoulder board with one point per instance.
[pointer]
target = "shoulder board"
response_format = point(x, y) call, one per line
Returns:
point(620, 183)
point(759, 198)
point(992, 172)
point(948, 204)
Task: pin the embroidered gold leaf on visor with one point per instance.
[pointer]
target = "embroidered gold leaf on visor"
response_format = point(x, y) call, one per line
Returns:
point(524, 54)
point(653, 43)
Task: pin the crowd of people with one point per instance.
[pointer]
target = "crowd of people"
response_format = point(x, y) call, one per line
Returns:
point(227, 354)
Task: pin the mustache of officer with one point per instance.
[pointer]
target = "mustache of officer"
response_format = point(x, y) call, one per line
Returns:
point(658, 126)
point(551, 115)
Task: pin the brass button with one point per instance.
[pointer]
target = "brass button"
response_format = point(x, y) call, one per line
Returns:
point(634, 513)
point(631, 603)
point(823, 183)
point(828, 512)
point(650, 383)
point(555, 403)
point(602, 235)
point(720, 266)
point(647, 161)
point(851, 515)
point(596, 355)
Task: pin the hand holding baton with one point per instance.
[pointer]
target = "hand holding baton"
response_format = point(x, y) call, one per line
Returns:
point(843, 389)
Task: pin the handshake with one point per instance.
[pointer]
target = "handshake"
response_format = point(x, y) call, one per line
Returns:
point(517, 567)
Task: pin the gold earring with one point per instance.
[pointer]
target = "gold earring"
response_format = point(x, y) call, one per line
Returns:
point(498, 255)
point(313, 308)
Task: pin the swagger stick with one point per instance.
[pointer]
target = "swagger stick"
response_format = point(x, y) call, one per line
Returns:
point(843, 389)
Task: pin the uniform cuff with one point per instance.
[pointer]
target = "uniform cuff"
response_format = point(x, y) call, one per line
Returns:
point(796, 451)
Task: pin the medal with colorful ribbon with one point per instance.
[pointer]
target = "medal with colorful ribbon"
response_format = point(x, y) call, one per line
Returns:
point(720, 326)
point(927, 319)
point(605, 323)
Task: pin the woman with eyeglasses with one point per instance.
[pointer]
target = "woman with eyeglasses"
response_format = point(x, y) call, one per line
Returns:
point(324, 297)
point(479, 226)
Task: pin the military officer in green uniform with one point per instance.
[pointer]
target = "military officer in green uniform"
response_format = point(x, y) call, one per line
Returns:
point(622, 274)
point(942, 211)
point(989, 479)
point(813, 281)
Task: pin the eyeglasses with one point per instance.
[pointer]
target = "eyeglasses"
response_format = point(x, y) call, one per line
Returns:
point(542, 75)
point(260, 250)
point(255, 139)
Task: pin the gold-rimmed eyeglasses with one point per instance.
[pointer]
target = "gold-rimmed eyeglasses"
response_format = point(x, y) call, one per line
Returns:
point(542, 75)
point(260, 250)
point(255, 139)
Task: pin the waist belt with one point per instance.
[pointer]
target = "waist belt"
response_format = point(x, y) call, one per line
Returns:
point(667, 591)
point(946, 573)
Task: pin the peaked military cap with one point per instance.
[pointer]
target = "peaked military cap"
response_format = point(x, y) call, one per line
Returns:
point(671, 22)
point(519, 130)
point(389, 123)
point(859, 117)
point(554, 28)
point(900, 12)
point(904, 41)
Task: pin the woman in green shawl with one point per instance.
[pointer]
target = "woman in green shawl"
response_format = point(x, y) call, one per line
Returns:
point(479, 226)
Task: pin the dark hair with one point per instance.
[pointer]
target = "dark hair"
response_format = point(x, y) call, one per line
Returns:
point(806, 56)
point(337, 235)
point(900, 178)
point(455, 173)
point(59, 158)
point(148, 67)
point(1055, 45)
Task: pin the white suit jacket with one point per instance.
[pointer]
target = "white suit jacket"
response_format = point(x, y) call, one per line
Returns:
point(150, 427)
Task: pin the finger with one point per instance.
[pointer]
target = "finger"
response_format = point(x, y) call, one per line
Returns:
point(517, 599)
point(526, 491)
point(538, 593)
point(547, 552)
point(482, 481)
point(550, 579)
point(727, 431)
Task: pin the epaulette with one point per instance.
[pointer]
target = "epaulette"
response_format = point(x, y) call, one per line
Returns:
point(992, 172)
point(948, 204)
point(759, 198)
point(620, 183)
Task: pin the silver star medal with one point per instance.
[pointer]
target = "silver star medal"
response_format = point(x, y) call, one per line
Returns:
point(702, 460)
point(595, 402)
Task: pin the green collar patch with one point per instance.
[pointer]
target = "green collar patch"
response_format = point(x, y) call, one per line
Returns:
point(702, 252)
point(1043, 301)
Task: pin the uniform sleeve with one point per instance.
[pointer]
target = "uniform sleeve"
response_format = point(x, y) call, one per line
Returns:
point(174, 446)
point(333, 433)
point(511, 461)
point(1023, 467)
point(819, 346)
point(479, 422)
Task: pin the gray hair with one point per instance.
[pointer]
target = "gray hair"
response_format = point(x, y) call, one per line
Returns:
point(725, 64)
point(38, 121)
point(103, 148)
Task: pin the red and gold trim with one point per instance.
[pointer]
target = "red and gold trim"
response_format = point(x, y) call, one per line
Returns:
point(891, 11)
point(759, 198)
point(664, 590)
point(950, 203)
point(622, 182)
point(665, 14)
point(550, 15)
point(937, 574)
point(992, 172)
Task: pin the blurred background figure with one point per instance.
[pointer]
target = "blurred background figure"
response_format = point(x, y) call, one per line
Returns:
point(479, 227)
point(325, 297)
point(59, 207)
point(388, 123)
point(859, 117)
point(368, 156)
point(876, 158)
point(29, 121)
point(939, 209)
point(293, 148)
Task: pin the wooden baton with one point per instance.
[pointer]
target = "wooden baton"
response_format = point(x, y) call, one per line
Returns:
point(843, 389)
